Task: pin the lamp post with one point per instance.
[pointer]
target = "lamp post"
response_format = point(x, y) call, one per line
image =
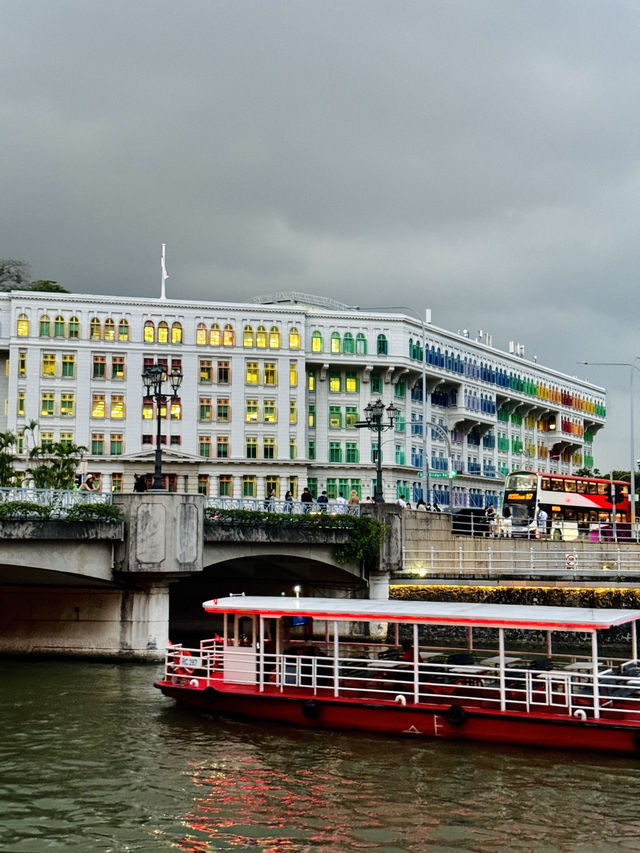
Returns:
point(374, 413)
point(153, 379)
point(632, 366)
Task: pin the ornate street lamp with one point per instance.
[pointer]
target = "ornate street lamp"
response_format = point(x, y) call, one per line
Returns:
point(374, 414)
point(153, 378)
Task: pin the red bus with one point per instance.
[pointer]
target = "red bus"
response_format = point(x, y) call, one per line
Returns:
point(576, 506)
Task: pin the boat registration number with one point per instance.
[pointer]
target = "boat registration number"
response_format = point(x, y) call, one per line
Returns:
point(190, 662)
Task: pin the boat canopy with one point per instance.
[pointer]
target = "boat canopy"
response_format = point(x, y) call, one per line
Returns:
point(529, 617)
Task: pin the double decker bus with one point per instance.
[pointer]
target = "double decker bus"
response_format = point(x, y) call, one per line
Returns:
point(575, 506)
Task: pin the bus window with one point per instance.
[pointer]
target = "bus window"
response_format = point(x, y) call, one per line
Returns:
point(624, 490)
point(570, 514)
point(516, 482)
point(569, 485)
point(545, 484)
point(557, 485)
point(593, 488)
point(602, 488)
point(581, 487)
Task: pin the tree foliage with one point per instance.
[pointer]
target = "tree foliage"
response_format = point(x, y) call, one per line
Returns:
point(55, 466)
point(47, 285)
point(8, 476)
point(588, 472)
point(14, 274)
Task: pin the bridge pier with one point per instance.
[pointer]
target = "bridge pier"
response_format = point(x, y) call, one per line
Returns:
point(85, 622)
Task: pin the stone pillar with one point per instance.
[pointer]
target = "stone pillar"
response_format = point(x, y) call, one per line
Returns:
point(144, 621)
point(379, 589)
point(164, 533)
point(86, 622)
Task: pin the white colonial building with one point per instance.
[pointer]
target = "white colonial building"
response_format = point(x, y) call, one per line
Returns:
point(272, 391)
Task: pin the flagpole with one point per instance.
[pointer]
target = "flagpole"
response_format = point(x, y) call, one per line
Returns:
point(165, 274)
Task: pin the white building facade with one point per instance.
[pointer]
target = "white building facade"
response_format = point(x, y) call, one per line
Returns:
point(271, 394)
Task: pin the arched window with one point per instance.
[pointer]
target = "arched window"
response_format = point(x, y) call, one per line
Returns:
point(347, 342)
point(274, 338)
point(215, 339)
point(45, 326)
point(316, 342)
point(123, 330)
point(228, 336)
point(248, 339)
point(74, 327)
point(109, 330)
point(201, 335)
point(336, 344)
point(176, 333)
point(261, 337)
point(361, 344)
point(294, 338)
point(382, 345)
point(163, 332)
point(59, 327)
point(149, 332)
point(95, 329)
point(22, 326)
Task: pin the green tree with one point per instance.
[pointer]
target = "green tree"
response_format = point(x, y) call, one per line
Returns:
point(46, 285)
point(620, 475)
point(14, 275)
point(55, 467)
point(588, 472)
point(8, 476)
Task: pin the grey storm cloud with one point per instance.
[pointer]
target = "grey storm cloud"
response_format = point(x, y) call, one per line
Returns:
point(479, 158)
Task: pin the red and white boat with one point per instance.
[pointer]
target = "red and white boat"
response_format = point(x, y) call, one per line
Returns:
point(493, 675)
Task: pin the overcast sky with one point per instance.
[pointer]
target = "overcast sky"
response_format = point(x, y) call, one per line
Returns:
point(478, 158)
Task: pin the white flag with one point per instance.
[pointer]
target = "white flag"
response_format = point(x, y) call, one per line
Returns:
point(165, 274)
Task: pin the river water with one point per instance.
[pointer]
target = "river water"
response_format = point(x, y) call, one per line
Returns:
point(93, 758)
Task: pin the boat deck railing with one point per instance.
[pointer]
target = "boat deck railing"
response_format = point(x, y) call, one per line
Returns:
point(564, 684)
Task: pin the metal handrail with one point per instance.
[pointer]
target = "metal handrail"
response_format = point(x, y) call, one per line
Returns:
point(506, 562)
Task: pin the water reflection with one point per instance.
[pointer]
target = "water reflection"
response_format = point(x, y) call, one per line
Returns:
point(94, 759)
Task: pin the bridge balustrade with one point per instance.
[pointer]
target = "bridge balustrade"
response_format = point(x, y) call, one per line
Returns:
point(281, 506)
point(60, 500)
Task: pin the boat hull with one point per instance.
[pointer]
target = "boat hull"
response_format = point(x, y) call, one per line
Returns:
point(452, 721)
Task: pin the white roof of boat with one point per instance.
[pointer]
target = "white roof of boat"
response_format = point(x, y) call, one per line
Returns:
point(434, 612)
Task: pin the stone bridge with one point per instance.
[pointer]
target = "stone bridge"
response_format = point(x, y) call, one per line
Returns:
point(117, 590)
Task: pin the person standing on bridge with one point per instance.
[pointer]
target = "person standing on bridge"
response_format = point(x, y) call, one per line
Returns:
point(307, 499)
point(91, 484)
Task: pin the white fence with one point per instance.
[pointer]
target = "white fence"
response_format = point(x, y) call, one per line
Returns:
point(513, 562)
point(282, 506)
point(60, 499)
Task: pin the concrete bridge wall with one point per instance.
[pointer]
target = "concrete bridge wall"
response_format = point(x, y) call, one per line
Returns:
point(122, 623)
